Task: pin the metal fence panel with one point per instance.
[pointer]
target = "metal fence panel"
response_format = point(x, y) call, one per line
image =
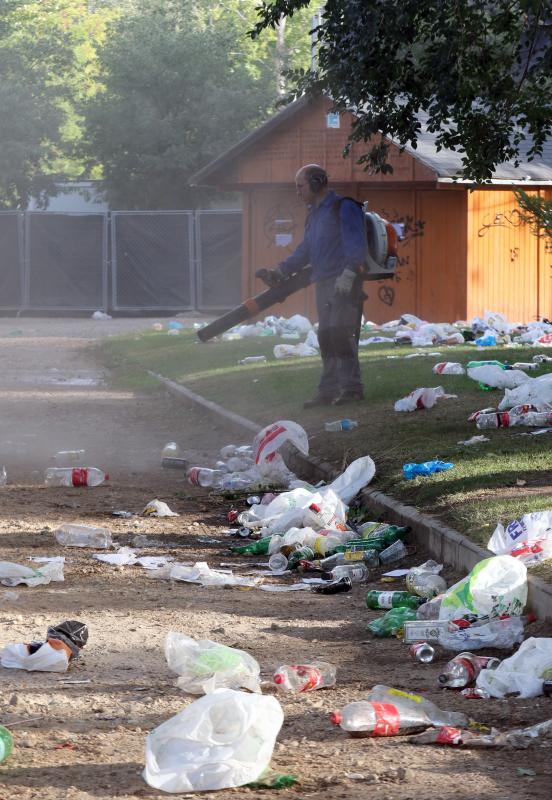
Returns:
point(152, 260)
point(219, 259)
point(66, 261)
point(11, 260)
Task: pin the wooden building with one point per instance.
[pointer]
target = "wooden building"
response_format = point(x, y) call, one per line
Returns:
point(464, 251)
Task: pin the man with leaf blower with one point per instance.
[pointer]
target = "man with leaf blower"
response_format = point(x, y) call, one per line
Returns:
point(335, 245)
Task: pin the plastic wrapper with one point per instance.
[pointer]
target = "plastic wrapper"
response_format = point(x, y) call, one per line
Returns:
point(535, 391)
point(495, 587)
point(47, 658)
point(15, 574)
point(220, 741)
point(420, 398)
point(204, 666)
point(501, 634)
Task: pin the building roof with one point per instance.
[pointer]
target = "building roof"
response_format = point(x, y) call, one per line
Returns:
point(445, 163)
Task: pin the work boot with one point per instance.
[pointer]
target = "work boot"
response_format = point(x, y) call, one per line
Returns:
point(348, 397)
point(318, 401)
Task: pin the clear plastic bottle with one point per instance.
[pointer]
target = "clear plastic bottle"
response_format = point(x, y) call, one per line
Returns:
point(71, 534)
point(235, 482)
point(358, 573)
point(430, 610)
point(305, 677)
point(69, 458)
point(202, 476)
point(341, 425)
point(464, 669)
point(426, 584)
point(228, 450)
point(278, 562)
point(76, 476)
point(239, 463)
point(392, 715)
point(3, 476)
point(253, 360)
point(422, 652)
point(368, 557)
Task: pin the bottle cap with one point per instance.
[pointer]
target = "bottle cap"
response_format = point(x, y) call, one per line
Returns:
point(278, 678)
point(336, 718)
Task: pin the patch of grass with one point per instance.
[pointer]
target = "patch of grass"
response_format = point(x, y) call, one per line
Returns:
point(497, 480)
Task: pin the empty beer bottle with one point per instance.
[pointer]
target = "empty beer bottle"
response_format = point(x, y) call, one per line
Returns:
point(375, 599)
point(258, 547)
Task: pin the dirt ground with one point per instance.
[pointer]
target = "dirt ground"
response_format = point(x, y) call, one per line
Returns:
point(85, 740)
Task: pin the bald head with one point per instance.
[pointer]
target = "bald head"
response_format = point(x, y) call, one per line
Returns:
point(311, 182)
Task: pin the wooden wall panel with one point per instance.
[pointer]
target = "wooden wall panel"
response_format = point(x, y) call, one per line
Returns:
point(441, 255)
point(502, 258)
point(545, 270)
point(307, 139)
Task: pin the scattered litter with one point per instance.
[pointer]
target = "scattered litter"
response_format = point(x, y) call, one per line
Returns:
point(463, 669)
point(201, 573)
point(475, 440)
point(340, 425)
point(15, 574)
point(69, 458)
point(73, 534)
point(414, 470)
point(448, 368)
point(523, 673)
point(528, 539)
point(76, 476)
point(220, 741)
point(421, 398)
point(100, 315)
point(6, 744)
point(500, 634)
point(391, 712)
point(122, 514)
point(205, 666)
point(495, 587)
point(305, 677)
point(157, 508)
point(63, 643)
point(253, 360)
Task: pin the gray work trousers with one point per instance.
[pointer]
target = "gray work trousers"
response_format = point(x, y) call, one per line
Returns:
point(339, 319)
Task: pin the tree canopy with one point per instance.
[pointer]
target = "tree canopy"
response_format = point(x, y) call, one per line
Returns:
point(477, 73)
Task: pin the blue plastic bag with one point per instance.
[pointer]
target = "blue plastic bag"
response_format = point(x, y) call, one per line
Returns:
point(426, 468)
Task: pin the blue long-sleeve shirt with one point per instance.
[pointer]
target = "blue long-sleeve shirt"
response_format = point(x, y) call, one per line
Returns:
point(335, 238)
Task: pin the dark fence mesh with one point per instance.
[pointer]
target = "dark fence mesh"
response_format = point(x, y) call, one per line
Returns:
point(219, 256)
point(11, 261)
point(66, 261)
point(152, 260)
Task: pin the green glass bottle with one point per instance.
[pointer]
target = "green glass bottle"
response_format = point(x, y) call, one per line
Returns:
point(378, 543)
point(303, 554)
point(392, 623)
point(6, 744)
point(375, 599)
point(257, 548)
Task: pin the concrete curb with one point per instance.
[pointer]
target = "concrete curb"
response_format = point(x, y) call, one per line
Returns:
point(443, 543)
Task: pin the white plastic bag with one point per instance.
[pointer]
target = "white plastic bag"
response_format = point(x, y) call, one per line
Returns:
point(158, 508)
point(14, 574)
point(204, 666)
point(534, 391)
point(269, 440)
point(533, 529)
point(357, 475)
point(45, 659)
point(498, 378)
point(448, 368)
point(523, 672)
point(420, 398)
point(495, 587)
point(220, 741)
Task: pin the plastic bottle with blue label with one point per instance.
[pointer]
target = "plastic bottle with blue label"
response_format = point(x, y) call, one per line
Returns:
point(341, 425)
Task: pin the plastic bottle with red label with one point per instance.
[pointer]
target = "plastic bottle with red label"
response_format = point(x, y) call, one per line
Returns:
point(77, 476)
point(391, 712)
point(208, 478)
point(305, 677)
point(464, 669)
